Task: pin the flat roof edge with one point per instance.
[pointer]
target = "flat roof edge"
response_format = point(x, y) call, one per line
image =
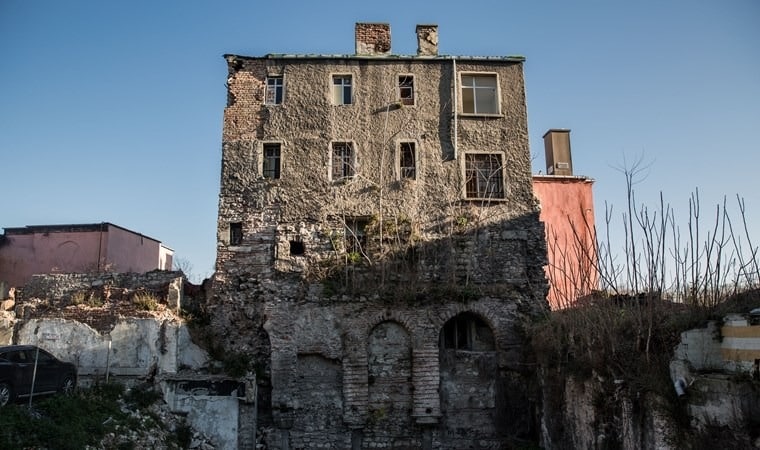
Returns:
point(509, 58)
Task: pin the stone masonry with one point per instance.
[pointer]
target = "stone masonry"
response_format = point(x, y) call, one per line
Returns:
point(378, 249)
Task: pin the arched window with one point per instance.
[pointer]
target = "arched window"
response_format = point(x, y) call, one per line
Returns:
point(467, 331)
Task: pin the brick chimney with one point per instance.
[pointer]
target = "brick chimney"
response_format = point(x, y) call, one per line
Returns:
point(559, 161)
point(427, 40)
point(373, 39)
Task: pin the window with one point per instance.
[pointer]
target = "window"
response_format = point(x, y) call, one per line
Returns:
point(406, 89)
point(479, 94)
point(274, 91)
point(271, 161)
point(236, 233)
point(342, 160)
point(483, 174)
point(467, 332)
point(297, 248)
point(356, 236)
point(341, 89)
point(408, 161)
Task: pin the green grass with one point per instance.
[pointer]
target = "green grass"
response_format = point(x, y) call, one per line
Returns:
point(80, 419)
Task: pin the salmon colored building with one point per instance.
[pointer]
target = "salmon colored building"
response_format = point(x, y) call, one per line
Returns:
point(567, 211)
point(98, 247)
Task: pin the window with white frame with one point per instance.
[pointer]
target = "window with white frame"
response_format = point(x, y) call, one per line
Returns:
point(271, 166)
point(274, 90)
point(406, 89)
point(341, 89)
point(343, 159)
point(484, 176)
point(407, 161)
point(480, 94)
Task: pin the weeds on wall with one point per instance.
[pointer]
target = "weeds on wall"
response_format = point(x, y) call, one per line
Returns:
point(668, 278)
point(146, 301)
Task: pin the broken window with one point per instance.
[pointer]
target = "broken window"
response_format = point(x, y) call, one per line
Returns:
point(483, 175)
point(467, 331)
point(271, 161)
point(341, 89)
point(236, 233)
point(406, 89)
point(356, 235)
point(274, 90)
point(343, 159)
point(479, 94)
point(408, 161)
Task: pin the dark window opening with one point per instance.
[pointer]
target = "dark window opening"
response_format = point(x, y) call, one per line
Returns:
point(236, 233)
point(406, 89)
point(483, 174)
point(356, 237)
point(408, 161)
point(297, 248)
point(271, 161)
point(467, 332)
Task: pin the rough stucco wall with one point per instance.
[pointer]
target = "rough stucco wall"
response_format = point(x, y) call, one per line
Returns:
point(439, 257)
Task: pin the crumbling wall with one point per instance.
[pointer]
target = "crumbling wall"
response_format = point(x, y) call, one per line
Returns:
point(358, 276)
point(94, 321)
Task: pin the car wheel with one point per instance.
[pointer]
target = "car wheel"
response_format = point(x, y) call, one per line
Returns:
point(6, 394)
point(68, 384)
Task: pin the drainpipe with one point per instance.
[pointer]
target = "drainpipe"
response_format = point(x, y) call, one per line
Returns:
point(454, 107)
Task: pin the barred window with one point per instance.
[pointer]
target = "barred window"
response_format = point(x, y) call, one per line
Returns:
point(343, 160)
point(408, 161)
point(484, 179)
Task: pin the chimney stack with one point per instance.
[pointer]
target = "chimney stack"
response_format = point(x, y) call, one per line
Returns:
point(559, 160)
point(373, 39)
point(427, 40)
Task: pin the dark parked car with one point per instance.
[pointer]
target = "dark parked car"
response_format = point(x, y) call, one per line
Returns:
point(17, 371)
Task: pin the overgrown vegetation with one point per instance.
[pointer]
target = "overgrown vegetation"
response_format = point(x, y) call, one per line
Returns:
point(87, 298)
point(667, 279)
point(146, 301)
point(83, 419)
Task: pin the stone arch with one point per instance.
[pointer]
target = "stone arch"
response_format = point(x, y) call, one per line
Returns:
point(469, 377)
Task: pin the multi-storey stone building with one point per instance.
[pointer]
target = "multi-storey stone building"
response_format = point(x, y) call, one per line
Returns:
point(379, 249)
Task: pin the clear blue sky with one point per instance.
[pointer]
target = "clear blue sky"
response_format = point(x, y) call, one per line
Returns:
point(112, 111)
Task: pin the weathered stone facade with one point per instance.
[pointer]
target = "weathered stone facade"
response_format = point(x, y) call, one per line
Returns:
point(379, 248)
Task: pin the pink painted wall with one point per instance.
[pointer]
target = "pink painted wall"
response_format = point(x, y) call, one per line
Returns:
point(567, 210)
point(27, 254)
point(130, 252)
point(77, 248)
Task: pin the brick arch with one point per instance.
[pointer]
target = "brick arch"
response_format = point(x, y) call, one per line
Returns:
point(391, 316)
point(481, 311)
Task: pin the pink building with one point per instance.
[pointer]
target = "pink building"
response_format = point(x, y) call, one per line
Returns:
point(97, 247)
point(567, 211)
